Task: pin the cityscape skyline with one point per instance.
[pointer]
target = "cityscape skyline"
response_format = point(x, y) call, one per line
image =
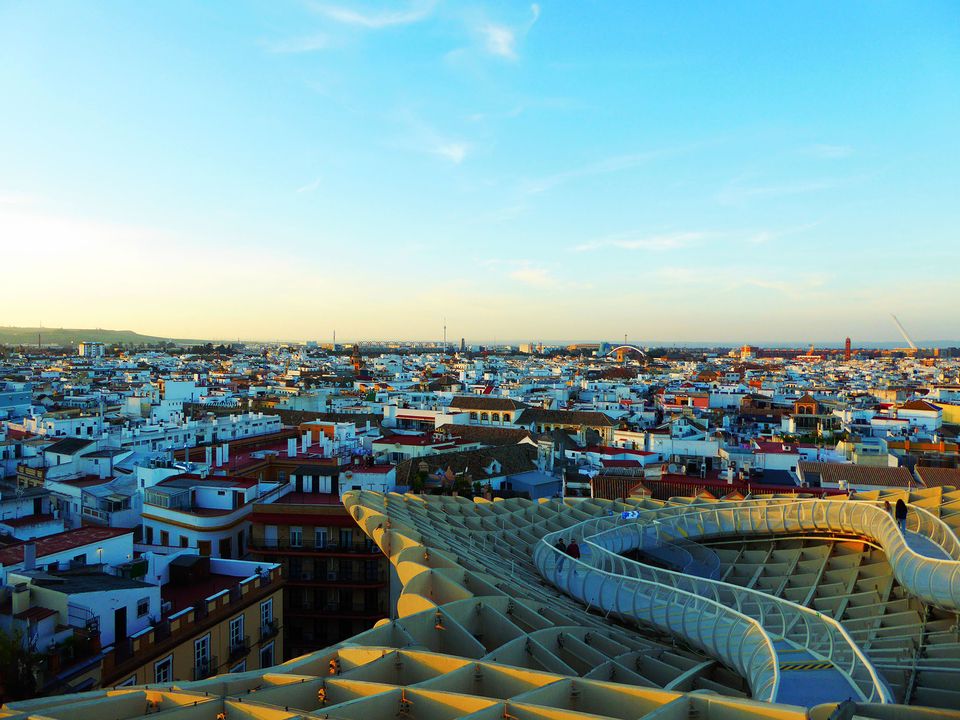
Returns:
point(266, 170)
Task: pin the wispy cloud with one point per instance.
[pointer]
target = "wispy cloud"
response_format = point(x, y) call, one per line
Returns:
point(616, 163)
point(423, 137)
point(761, 237)
point(310, 43)
point(310, 186)
point(501, 40)
point(737, 192)
point(455, 152)
point(667, 241)
point(729, 279)
point(413, 13)
point(532, 275)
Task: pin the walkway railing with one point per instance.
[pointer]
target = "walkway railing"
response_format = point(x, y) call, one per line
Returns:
point(605, 579)
point(935, 580)
point(720, 631)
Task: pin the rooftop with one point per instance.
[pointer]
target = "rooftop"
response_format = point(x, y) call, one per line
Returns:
point(61, 542)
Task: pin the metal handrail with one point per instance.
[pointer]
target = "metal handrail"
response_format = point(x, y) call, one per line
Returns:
point(736, 638)
point(821, 635)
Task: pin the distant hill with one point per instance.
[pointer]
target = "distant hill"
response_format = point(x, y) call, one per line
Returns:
point(72, 336)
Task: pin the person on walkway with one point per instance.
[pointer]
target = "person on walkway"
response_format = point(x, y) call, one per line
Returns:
point(901, 513)
point(562, 547)
point(887, 508)
point(573, 550)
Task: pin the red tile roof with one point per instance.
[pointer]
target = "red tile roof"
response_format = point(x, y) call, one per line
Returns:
point(61, 542)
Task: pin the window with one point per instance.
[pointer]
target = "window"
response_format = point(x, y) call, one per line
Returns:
point(266, 656)
point(270, 536)
point(266, 612)
point(143, 607)
point(132, 680)
point(236, 632)
point(473, 416)
point(184, 541)
point(239, 667)
point(346, 538)
point(163, 670)
point(320, 537)
point(495, 417)
point(164, 537)
point(484, 417)
point(201, 654)
point(296, 537)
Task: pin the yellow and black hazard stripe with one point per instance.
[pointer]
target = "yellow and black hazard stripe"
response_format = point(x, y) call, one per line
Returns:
point(806, 666)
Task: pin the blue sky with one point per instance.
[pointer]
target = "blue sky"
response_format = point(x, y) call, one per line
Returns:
point(563, 170)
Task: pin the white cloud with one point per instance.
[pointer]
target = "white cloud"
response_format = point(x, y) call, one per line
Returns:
point(501, 40)
point(310, 186)
point(764, 236)
point(455, 152)
point(535, 276)
point(669, 241)
point(736, 192)
point(416, 12)
point(616, 163)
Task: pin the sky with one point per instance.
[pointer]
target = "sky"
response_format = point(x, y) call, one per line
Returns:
point(697, 171)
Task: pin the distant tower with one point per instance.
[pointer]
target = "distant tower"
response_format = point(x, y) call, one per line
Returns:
point(846, 351)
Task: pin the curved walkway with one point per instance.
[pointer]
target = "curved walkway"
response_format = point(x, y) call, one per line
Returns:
point(788, 653)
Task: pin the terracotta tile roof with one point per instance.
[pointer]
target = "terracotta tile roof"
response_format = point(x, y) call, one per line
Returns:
point(513, 460)
point(489, 435)
point(485, 403)
point(919, 405)
point(857, 474)
point(939, 477)
point(589, 418)
point(59, 542)
point(616, 487)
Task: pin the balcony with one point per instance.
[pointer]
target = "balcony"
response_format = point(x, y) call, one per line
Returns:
point(269, 630)
point(239, 648)
point(205, 668)
point(270, 546)
point(173, 630)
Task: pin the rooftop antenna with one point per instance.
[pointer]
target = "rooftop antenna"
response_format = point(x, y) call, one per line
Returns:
point(444, 334)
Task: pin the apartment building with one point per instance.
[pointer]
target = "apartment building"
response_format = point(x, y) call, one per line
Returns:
point(102, 614)
point(337, 579)
point(210, 513)
point(218, 616)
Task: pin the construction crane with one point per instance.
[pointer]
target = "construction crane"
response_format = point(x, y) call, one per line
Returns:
point(903, 332)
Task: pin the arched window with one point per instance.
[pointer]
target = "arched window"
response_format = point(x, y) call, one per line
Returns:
point(506, 417)
point(484, 417)
point(473, 416)
point(495, 417)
